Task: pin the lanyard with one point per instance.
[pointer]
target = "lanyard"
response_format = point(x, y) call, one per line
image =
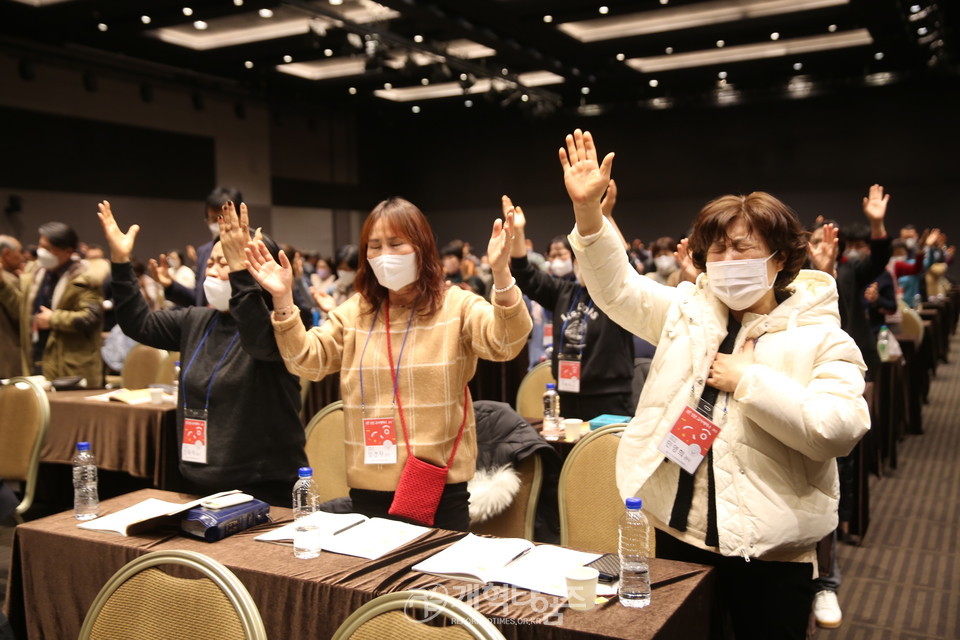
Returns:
point(367, 341)
point(216, 369)
point(586, 315)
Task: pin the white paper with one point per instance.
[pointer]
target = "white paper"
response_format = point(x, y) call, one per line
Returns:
point(374, 538)
point(473, 557)
point(328, 523)
point(120, 521)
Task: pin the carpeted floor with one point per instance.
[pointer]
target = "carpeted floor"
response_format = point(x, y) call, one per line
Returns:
point(903, 583)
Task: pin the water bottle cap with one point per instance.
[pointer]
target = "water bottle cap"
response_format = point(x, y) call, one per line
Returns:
point(634, 503)
point(83, 446)
point(884, 328)
point(176, 363)
point(551, 385)
point(305, 472)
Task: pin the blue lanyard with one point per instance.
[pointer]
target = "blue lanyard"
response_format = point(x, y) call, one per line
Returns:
point(399, 357)
point(216, 369)
point(563, 327)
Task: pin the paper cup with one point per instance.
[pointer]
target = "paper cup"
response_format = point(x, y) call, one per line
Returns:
point(582, 587)
point(156, 395)
point(571, 428)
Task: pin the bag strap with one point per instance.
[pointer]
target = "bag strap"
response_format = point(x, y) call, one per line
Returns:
point(396, 395)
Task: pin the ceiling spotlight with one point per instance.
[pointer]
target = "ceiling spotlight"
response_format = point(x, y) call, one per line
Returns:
point(878, 55)
point(668, 50)
point(464, 77)
point(265, 13)
point(418, 38)
point(654, 82)
point(775, 36)
point(145, 19)
point(504, 71)
point(415, 109)
point(187, 11)
point(200, 25)
point(424, 81)
point(914, 8)
point(548, 18)
point(248, 64)
point(664, 1)
point(621, 57)
point(102, 27)
point(336, 3)
point(720, 43)
point(797, 66)
point(288, 59)
point(832, 28)
point(922, 31)
point(352, 91)
point(328, 52)
point(238, 3)
point(722, 75)
point(604, 10)
point(468, 103)
point(585, 90)
point(524, 98)
point(387, 86)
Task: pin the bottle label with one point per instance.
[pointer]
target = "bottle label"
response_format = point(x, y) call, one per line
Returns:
point(568, 371)
point(194, 445)
point(379, 441)
point(689, 439)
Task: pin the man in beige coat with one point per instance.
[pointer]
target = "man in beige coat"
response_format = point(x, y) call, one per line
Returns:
point(60, 312)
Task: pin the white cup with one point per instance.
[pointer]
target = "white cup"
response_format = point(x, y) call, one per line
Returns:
point(306, 541)
point(156, 395)
point(571, 428)
point(582, 587)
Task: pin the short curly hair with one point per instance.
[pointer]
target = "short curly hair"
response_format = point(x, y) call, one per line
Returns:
point(765, 215)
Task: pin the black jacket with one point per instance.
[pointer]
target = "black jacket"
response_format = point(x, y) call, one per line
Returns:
point(853, 276)
point(254, 430)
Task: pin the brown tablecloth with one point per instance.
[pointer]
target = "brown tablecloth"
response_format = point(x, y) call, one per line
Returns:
point(139, 440)
point(57, 570)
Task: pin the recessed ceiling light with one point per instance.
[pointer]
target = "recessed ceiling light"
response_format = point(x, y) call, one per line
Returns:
point(720, 43)
point(102, 27)
point(547, 18)
point(328, 52)
point(878, 55)
point(797, 66)
point(832, 28)
point(200, 25)
point(424, 81)
point(664, 1)
point(336, 2)
point(248, 64)
point(145, 19)
point(604, 10)
point(238, 3)
point(922, 31)
point(668, 50)
point(524, 98)
point(387, 86)
point(585, 90)
point(464, 77)
point(654, 82)
point(468, 103)
point(722, 75)
point(621, 57)
point(415, 109)
point(504, 71)
point(265, 13)
point(775, 36)
point(914, 8)
point(418, 38)
point(187, 11)
point(352, 91)
point(288, 59)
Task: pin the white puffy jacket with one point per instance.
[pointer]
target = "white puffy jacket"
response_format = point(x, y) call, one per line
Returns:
point(795, 410)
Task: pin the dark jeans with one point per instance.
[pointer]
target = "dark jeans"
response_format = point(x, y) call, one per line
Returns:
point(453, 512)
point(757, 599)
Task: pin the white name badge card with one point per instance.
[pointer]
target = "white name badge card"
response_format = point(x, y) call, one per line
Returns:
point(194, 445)
point(379, 441)
point(569, 373)
point(689, 440)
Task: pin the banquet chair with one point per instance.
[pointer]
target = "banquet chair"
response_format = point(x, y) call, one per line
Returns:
point(326, 452)
point(24, 417)
point(530, 391)
point(912, 324)
point(141, 367)
point(590, 504)
point(166, 372)
point(518, 520)
point(143, 602)
point(416, 614)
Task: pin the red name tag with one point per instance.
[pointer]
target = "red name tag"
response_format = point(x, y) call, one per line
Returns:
point(194, 446)
point(379, 441)
point(689, 439)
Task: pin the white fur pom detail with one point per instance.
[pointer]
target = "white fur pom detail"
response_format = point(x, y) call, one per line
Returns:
point(492, 491)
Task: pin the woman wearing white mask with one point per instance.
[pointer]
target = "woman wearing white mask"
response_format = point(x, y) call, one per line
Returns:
point(751, 359)
point(238, 410)
point(404, 389)
point(180, 272)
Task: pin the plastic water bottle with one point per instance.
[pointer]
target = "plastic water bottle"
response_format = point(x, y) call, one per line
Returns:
point(551, 408)
point(304, 494)
point(917, 301)
point(86, 501)
point(176, 379)
point(307, 537)
point(634, 549)
point(883, 343)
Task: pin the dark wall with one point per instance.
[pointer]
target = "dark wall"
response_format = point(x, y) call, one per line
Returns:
point(819, 155)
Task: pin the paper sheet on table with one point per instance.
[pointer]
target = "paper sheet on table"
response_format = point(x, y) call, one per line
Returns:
point(328, 523)
point(374, 538)
point(144, 515)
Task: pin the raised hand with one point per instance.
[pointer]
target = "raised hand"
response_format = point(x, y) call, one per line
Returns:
point(121, 244)
point(585, 177)
point(498, 248)
point(875, 204)
point(160, 271)
point(688, 271)
point(609, 199)
point(276, 279)
point(234, 235)
point(871, 293)
point(518, 244)
point(824, 254)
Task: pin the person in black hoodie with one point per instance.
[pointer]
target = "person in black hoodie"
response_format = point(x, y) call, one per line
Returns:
point(597, 352)
point(238, 410)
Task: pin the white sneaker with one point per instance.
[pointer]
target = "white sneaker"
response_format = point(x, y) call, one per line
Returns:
point(826, 609)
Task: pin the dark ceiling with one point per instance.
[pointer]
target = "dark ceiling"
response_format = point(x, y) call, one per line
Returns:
point(407, 43)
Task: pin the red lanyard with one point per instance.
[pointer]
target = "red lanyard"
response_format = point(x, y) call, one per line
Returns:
point(396, 394)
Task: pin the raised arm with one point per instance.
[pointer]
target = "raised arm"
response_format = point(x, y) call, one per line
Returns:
point(534, 283)
point(606, 207)
point(586, 179)
point(823, 256)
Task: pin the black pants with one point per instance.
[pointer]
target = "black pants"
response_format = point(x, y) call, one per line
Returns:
point(453, 512)
point(757, 599)
point(574, 405)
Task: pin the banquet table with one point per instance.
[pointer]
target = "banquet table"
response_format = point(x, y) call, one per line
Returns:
point(57, 569)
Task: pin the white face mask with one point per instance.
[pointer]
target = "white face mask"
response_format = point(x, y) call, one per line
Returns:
point(173, 263)
point(218, 293)
point(856, 254)
point(911, 243)
point(739, 283)
point(46, 258)
point(214, 229)
point(395, 271)
point(346, 277)
point(560, 267)
point(665, 264)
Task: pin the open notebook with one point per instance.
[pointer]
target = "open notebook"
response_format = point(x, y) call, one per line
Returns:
point(352, 534)
point(512, 561)
point(146, 515)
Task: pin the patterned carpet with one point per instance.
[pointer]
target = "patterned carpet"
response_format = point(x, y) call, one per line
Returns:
point(903, 583)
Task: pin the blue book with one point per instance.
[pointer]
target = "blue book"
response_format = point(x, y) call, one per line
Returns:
point(605, 419)
point(216, 524)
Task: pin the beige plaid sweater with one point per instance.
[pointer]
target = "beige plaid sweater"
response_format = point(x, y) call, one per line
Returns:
point(439, 358)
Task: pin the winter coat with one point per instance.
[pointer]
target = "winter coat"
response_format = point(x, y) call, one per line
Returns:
point(796, 409)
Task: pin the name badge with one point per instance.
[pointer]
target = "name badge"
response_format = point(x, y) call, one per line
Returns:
point(194, 445)
point(379, 441)
point(689, 440)
point(569, 373)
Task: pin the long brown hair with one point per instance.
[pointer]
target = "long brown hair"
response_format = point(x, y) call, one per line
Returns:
point(409, 223)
